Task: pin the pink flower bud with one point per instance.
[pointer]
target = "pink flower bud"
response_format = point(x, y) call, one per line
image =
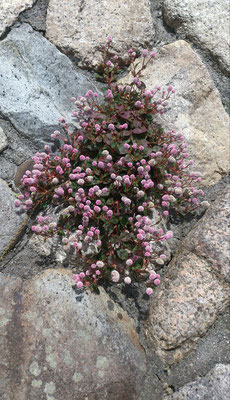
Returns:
point(149, 291)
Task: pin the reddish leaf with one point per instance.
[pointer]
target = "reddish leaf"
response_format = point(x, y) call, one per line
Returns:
point(126, 115)
point(137, 131)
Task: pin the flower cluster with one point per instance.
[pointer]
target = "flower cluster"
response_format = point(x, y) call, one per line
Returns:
point(111, 176)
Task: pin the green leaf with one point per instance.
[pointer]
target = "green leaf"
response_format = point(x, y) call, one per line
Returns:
point(122, 254)
point(94, 287)
point(124, 220)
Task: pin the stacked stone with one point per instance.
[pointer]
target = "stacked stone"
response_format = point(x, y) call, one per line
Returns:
point(57, 344)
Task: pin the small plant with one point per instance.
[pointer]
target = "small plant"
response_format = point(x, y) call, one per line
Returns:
point(110, 175)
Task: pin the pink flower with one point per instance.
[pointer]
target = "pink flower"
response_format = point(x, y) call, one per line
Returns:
point(129, 262)
point(145, 52)
point(60, 191)
point(157, 282)
point(100, 264)
point(127, 280)
point(109, 213)
point(17, 203)
point(169, 235)
point(115, 276)
point(149, 291)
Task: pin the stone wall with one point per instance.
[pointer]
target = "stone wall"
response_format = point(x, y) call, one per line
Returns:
point(58, 344)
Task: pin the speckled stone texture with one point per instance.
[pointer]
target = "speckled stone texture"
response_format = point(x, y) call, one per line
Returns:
point(37, 83)
point(195, 109)
point(61, 345)
point(3, 140)
point(82, 27)
point(10, 218)
point(10, 10)
point(213, 386)
point(195, 288)
point(204, 22)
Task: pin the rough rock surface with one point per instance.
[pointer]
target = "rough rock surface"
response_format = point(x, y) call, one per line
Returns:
point(36, 16)
point(10, 219)
point(83, 27)
point(61, 345)
point(195, 109)
point(18, 150)
point(36, 83)
point(3, 140)
point(215, 386)
point(204, 22)
point(10, 10)
point(195, 287)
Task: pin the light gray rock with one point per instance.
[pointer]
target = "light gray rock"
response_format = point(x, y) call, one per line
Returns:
point(82, 27)
point(3, 140)
point(213, 386)
point(37, 83)
point(10, 10)
point(195, 288)
point(61, 345)
point(195, 109)
point(10, 219)
point(204, 22)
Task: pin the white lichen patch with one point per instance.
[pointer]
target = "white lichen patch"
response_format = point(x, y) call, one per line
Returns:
point(39, 324)
point(3, 321)
point(36, 383)
point(77, 377)
point(50, 388)
point(102, 364)
point(67, 358)
point(34, 368)
point(50, 358)
point(2, 311)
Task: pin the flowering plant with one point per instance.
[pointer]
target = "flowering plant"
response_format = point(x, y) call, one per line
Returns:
point(110, 175)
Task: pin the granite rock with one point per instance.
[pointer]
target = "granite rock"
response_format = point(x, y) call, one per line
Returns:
point(195, 108)
point(10, 218)
point(3, 140)
point(10, 10)
point(61, 345)
point(214, 385)
point(83, 27)
point(195, 288)
point(36, 16)
point(37, 83)
point(205, 23)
